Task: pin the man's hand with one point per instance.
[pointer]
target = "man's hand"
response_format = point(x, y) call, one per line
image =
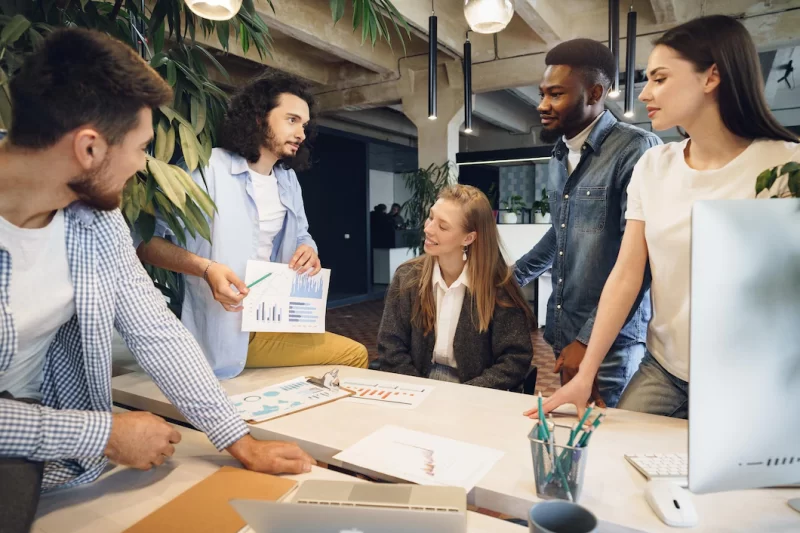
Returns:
point(220, 278)
point(305, 259)
point(576, 392)
point(271, 457)
point(569, 363)
point(140, 440)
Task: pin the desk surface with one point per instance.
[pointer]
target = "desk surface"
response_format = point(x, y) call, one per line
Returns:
point(613, 489)
point(123, 496)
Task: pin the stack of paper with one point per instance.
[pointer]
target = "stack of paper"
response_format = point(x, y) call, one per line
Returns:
point(421, 458)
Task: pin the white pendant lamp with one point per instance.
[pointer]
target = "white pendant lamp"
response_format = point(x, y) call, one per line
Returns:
point(488, 16)
point(214, 9)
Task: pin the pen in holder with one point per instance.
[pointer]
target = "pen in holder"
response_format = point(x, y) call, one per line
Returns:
point(558, 468)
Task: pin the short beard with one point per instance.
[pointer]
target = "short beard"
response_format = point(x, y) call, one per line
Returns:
point(88, 187)
point(567, 120)
point(277, 148)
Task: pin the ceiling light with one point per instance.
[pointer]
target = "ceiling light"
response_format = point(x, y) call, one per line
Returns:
point(488, 16)
point(214, 9)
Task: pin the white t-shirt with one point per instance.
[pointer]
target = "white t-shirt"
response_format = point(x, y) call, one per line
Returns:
point(271, 212)
point(575, 145)
point(449, 301)
point(41, 298)
point(662, 191)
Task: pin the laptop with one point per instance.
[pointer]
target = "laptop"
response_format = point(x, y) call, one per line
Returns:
point(323, 506)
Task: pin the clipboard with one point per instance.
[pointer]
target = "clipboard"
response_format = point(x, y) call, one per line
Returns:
point(289, 397)
point(204, 508)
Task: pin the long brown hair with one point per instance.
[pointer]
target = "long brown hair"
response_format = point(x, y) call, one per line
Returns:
point(490, 279)
point(723, 41)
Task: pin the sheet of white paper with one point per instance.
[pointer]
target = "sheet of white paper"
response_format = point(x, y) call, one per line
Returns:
point(284, 301)
point(421, 457)
point(386, 393)
point(281, 399)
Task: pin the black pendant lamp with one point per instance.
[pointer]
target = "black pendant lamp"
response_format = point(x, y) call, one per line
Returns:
point(433, 41)
point(467, 86)
point(613, 44)
point(630, 64)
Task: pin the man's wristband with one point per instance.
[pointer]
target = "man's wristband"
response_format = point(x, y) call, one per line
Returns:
point(205, 272)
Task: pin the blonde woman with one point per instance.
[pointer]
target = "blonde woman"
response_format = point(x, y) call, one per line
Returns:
point(456, 313)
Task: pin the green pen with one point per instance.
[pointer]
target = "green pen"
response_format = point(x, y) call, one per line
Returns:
point(262, 278)
point(585, 439)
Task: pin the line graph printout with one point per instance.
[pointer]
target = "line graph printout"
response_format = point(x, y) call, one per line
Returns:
point(284, 301)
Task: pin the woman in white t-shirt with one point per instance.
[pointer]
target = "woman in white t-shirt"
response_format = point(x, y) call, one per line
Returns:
point(704, 77)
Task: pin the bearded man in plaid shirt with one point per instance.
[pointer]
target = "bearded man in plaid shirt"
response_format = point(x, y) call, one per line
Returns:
point(81, 124)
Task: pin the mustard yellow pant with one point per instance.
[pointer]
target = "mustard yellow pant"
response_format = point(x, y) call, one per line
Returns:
point(304, 349)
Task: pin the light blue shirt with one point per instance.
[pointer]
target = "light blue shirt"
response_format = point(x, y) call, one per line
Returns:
point(234, 240)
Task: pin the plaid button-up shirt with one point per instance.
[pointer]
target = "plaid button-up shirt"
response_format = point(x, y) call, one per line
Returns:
point(70, 430)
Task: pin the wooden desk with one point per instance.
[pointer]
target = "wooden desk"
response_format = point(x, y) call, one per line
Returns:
point(613, 489)
point(123, 496)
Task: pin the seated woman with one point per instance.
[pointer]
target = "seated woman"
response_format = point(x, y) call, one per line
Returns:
point(456, 313)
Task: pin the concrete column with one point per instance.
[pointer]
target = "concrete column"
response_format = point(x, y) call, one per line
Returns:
point(437, 140)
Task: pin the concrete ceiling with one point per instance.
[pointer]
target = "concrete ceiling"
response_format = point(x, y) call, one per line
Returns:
point(507, 66)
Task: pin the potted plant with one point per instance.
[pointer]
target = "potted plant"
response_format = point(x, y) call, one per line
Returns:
point(542, 209)
point(511, 209)
point(424, 184)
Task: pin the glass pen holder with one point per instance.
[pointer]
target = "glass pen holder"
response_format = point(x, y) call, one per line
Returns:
point(557, 467)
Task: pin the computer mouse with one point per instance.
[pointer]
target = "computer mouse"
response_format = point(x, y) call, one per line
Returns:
point(671, 503)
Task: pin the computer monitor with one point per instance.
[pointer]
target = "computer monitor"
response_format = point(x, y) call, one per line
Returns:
point(744, 370)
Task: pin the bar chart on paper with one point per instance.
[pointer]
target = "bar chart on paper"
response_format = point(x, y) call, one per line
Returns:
point(280, 300)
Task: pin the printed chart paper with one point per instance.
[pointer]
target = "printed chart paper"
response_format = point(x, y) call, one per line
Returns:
point(421, 458)
point(386, 393)
point(284, 301)
point(283, 399)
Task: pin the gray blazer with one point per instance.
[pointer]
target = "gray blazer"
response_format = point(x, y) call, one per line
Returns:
point(499, 358)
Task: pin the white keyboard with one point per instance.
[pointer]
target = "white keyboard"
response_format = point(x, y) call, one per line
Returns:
point(671, 466)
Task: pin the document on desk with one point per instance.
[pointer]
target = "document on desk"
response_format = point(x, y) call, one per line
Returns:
point(281, 399)
point(394, 394)
point(282, 301)
point(421, 457)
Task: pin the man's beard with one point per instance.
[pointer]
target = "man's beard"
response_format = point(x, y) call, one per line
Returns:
point(278, 148)
point(566, 121)
point(89, 189)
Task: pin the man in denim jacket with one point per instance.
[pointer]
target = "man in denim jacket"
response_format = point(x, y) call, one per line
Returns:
point(592, 162)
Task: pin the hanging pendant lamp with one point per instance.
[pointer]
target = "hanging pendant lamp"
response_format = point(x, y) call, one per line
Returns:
point(613, 44)
point(433, 48)
point(467, 86)
point(488, 16)
point(214, 9)
point(630, 64)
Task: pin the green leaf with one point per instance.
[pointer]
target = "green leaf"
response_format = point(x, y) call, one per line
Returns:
point(337, 10)
point(146, 226)
point(167, 182)
point(791, 166)
point(794, 183)
point(214, 62)
point(766, 179)
point(172, 73)
point(167, 212)
point(188, 146)
point(14, 30)
point(158, 38)
point(159, 60)
point(223, 34)
point(198, 220)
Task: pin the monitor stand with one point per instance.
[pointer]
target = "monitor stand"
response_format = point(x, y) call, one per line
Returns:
point(795, 504)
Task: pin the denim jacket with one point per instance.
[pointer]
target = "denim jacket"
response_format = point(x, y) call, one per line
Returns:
point(588, 215)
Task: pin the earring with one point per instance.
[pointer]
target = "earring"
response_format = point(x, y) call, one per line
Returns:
point(464, 256)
